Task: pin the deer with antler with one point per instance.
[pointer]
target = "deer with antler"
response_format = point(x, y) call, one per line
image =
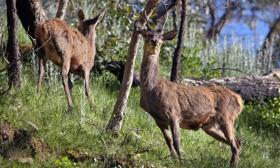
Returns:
point(72, 50)
point(212, 108)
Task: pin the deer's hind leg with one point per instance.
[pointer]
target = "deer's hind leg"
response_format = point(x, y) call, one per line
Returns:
point(227, 127)
point(65, 72)
point(87, 86)
point(223, 131)
point(216, 134)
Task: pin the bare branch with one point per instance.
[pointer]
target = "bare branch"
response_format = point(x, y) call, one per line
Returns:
point(212, 12)
point(217, 27)
point(163, 8)
point(62, 7)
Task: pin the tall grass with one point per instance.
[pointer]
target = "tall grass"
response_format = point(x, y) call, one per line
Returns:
point(140, 142)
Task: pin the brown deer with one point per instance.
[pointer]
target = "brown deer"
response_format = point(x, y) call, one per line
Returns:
point(71, 50)
point(212, 108)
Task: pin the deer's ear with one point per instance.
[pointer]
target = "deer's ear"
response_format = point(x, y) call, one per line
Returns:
point(169, 35)
point(81, 16)
point(99, 17)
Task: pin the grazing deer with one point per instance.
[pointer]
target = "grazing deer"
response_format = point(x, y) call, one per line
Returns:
point(69, 49)
point(212, 108)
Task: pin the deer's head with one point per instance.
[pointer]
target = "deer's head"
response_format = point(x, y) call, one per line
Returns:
point(87, 27)
point(154, 39)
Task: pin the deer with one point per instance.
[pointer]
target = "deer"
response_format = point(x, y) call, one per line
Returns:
point(73, 50)
point(212, 108)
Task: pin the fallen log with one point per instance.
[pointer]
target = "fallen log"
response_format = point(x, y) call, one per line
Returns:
point(251, 88)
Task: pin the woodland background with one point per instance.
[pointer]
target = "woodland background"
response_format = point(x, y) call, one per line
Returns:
point(222, 39)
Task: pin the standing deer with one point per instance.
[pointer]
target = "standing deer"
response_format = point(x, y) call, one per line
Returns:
point(212, 108)
point(69, 49)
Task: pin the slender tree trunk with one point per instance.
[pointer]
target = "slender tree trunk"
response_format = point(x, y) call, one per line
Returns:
point(174, 20)
point(14, 70)
point(181, 36)
point(62, 7)
point(116, 120)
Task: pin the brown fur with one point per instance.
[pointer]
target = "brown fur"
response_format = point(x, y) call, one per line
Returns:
point(63, 41)
point(69, 49)
point(212, 108)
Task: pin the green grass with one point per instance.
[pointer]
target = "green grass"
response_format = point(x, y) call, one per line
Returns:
point(140, 141)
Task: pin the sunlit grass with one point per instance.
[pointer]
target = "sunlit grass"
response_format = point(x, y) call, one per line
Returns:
point(140, 139)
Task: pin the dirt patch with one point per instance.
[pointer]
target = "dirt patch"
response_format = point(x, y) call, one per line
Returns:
point(21, 144)
point(130, 160)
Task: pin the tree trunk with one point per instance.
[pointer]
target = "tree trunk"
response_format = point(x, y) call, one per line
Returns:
point(266, 51)
point(116, 120)
point(31, 14)
point(181, 36)
point(14, 70)
point(251, 88)
point(61, 11)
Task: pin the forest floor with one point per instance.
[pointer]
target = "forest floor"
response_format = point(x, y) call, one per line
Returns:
point(80, 139)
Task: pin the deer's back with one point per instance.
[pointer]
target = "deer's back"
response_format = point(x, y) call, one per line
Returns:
point(192, 105)
point(61, 42)
point(199, 104)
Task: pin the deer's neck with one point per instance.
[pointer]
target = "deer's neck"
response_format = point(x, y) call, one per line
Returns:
point(149, 74)
point(91, 40)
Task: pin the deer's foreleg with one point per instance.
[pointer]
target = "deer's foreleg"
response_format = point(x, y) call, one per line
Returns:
point(168, 139)
point(42, 64)
point(70, 83)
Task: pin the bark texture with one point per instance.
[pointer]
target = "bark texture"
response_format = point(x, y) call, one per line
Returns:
point(181, 38)
point(14, 69)
point(31, 14)
point(116, 120)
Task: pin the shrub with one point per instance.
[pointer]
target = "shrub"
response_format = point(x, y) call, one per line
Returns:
point(265, 115)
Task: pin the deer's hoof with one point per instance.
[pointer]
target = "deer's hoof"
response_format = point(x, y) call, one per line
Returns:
point(70, 110)
point(93, 107)
point(175, 155)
